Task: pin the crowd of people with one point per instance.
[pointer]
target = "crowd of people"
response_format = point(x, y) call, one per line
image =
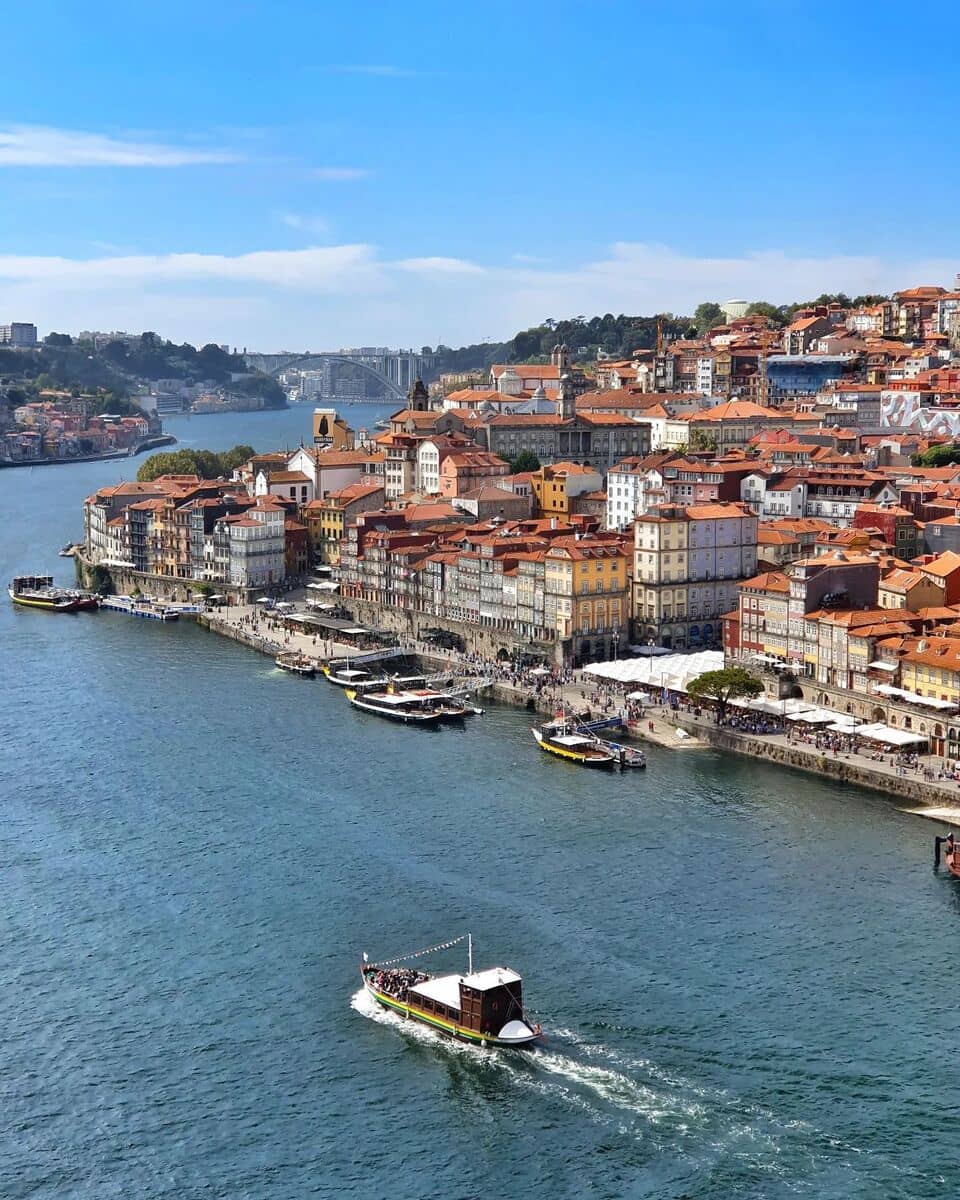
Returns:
point(397, 981)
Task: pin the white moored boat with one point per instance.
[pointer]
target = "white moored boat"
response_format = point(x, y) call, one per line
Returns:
point(422, 706)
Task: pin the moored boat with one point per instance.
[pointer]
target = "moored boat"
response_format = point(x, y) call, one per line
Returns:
point(484, 1007)
point(140, 606)
point(565, 741)
point(39, 591)
point(297, 664)
point(422, 706)
point(347, 677)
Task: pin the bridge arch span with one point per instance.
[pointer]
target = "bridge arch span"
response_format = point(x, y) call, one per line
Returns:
point(307, 361)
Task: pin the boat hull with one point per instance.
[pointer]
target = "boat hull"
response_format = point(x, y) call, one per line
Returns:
point(451, 1028)
point(73, 604)
point(303, 672)
point(425, 719)
point(599, 762)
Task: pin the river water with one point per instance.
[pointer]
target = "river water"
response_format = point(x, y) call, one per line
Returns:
point(744, 971)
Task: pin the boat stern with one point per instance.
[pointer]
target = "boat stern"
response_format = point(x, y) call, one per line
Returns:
point(519, 1032)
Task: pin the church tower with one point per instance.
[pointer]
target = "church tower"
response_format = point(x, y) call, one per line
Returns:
point(566, 400)
point(417, 398)
point(560, 357)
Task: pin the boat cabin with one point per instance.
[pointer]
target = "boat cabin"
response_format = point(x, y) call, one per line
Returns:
point(485, 1002)
point(31, 583)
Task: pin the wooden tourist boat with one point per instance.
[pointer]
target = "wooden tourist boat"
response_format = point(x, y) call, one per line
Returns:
point(347, 677)
point(39, 591)
point(297, 664)
point(422, 706)
point(483, 1007)
point(565, 741)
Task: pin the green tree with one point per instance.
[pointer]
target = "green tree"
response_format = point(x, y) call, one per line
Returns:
point(706, 316)
point(526, 460)
point(938, 456)
point(777, 315)
point(725, 685)
point(235, 457)
point(58, 339)
point(205, 463)
point(700, 439)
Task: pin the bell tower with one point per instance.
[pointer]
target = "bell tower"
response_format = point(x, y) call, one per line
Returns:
point(417, 398)
point(566, 400)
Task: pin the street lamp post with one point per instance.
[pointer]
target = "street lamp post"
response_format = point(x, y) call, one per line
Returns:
point(616, 642)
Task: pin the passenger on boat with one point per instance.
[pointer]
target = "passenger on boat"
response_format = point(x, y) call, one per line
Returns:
point(950, 842)
point(397, 981)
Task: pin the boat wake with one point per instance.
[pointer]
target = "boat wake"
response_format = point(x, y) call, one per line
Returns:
point(662, 1108)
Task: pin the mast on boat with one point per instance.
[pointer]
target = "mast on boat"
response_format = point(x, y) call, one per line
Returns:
point(469, 953)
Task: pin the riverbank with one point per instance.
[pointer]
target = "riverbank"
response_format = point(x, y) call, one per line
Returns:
point(163, 439)
point(918, 785)
point(579, 694)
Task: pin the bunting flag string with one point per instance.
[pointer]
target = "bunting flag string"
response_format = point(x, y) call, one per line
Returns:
point(389, 962)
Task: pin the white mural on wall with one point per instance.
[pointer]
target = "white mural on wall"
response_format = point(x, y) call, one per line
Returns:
point(903, 410)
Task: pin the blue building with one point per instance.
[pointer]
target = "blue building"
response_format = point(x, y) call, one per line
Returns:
point(791, 375)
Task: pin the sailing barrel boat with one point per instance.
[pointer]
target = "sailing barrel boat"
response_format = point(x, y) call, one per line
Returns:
point(39, 591)
point(562, 738)
point(483, 1007)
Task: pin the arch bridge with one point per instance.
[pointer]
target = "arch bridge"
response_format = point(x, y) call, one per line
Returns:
point(395, 371)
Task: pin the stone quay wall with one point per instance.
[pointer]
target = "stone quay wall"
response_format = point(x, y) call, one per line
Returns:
point(124, 581)
point(919, 791)
point(478, 639)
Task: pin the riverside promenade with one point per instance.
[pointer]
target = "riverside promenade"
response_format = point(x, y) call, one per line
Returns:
point(923, 787)
point(575, 692)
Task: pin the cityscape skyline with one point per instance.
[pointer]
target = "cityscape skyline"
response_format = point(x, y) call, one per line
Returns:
point(424, 191)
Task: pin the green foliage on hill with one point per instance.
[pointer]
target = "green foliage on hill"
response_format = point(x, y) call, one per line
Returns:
point(616, 336)
point(208, 464)
point(115, 370)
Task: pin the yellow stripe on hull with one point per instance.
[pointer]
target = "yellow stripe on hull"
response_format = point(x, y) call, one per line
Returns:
point(416, 1014)
point(573, 755)
point(48, 604)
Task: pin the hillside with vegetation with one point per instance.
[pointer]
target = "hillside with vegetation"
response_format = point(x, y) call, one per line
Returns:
point(620, 336)
point(112, 373)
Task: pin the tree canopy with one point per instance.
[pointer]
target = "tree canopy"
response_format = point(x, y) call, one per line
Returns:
point(938, 456)
point(729, 683)
point(208, 464)
point(707, 315)
point(526, 460)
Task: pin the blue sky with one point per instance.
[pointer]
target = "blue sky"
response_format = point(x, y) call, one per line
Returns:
point(302, 175)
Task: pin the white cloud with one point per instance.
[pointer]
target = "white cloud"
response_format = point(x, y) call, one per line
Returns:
point(350, 294)
point(438, 265)
point(340, 174)
point(44, 146)
point(307, 223)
